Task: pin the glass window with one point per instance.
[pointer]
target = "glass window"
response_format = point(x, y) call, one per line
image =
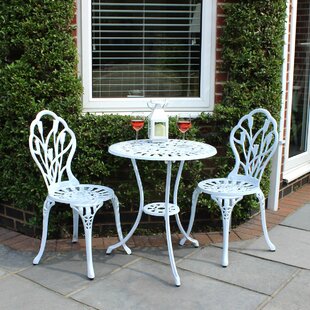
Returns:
point(133, 51)
point(301, 91)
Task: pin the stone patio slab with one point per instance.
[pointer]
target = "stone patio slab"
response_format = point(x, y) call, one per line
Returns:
point(14, 261)
point(19, 293)
point(299, 219)
point(249, 272)
point(294, 296)
point(66, 272)
point(160, 254)
point(2, 272)
point(149, 285)
point(292, 247)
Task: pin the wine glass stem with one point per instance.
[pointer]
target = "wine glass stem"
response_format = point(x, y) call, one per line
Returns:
point(137, 134)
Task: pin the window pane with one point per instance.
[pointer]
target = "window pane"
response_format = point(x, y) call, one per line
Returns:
point(301, 90)
point(146, 48)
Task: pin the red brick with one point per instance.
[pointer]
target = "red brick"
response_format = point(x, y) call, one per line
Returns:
point(157, 240)
point(215, 237)
point(141, 241)
point(284, 211)
point(63, 245)
point(29, 244)
point(98, 243)
point(12, 241)
point(109, 241)
point(202, 238)
point(247, 231)
point(233, 236)
point(76, 246)
point(256, 228)
point(175, 239)
point(243, 236)
point(8, 235)
point(50, 246)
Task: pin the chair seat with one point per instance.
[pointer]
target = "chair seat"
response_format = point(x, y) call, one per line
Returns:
point(82, 195)
point(225, 187)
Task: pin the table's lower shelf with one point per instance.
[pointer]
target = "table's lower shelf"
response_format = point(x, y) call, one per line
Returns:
point(158, 209)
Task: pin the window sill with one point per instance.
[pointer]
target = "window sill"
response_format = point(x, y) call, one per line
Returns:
point(297, 172)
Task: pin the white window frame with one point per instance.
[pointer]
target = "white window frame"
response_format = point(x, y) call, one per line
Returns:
point(204, 103)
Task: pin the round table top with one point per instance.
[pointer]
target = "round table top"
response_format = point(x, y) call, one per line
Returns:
point(171, 150)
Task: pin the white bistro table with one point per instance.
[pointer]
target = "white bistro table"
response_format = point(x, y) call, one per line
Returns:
point(170, 151)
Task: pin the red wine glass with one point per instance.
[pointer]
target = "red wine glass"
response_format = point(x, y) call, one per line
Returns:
point(137, 123)
point(184, 123)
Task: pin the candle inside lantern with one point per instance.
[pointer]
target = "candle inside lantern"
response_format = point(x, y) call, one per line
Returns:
point(160, 129)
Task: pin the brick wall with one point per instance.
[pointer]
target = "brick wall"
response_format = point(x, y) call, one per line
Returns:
point(16, 219)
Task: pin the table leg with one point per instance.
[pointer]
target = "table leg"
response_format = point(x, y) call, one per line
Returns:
point(133, 229)
point(175, 201)
point(167, 224)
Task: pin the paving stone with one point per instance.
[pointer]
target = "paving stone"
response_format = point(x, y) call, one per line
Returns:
point(2, 272)
point(294, 296)
point(292, 246)
point(19, 293)
point(150, 285)
point(13, 261)
point(160, 254)
point(250, 272)
point(299, 219)
point(66, 272)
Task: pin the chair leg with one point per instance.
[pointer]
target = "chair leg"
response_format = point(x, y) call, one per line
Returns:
point(48, 204)
point(87, 215)
point(195, 195)
point(226, 205)
point(75, 236)
point(170, 251)
point(115, 204)
point(261, 198)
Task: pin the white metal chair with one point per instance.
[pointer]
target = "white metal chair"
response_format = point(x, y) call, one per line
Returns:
point(52, 145)
point(252, 150)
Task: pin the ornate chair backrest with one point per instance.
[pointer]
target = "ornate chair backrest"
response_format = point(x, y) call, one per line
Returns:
point(52, 145)
point(253, 141)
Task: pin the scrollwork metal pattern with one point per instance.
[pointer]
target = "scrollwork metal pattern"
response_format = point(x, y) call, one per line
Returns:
point(52, 146)
point(226, 205)
point(158, 209)
point(226, 186)
point(171, 150)
point(82, 194)
point(252, 147)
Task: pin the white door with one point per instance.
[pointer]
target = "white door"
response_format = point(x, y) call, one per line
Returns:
point(297, 154)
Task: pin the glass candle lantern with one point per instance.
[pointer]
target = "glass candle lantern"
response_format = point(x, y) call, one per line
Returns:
point(158, 124)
